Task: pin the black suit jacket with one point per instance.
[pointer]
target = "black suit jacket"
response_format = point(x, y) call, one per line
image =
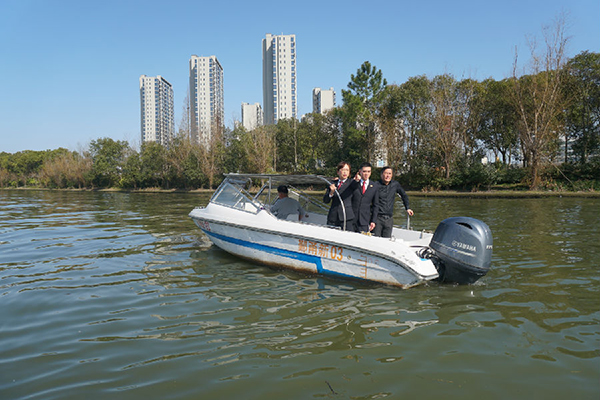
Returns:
point(365, 206)
point(336, 214)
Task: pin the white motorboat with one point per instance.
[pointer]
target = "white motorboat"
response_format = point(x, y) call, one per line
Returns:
point(242, 224)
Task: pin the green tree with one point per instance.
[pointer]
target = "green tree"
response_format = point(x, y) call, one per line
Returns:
point(234, 160)
point(498, 125)
point(414, 104)
point(287, 145)
point(108, 159)
point(583, 115)
point(393, 127)
point(131, 173)
point(153, 168)
point(318, 139)
point(361, 101)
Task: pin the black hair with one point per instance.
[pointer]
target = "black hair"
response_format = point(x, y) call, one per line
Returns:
point(282, 189)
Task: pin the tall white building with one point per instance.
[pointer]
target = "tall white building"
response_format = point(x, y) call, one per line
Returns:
point(252, 116)
point(279, 78)
point(207, 111)
point(323, 100)
point(156, 104)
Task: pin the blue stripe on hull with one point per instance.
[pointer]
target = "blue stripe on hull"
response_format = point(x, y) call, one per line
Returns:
point(282, 253)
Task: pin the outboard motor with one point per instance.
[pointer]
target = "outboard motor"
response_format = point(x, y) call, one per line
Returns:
point(462, 249)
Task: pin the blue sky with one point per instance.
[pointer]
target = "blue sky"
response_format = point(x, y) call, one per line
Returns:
point(70, 69)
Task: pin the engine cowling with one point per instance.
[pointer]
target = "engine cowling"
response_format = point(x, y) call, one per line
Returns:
point(463, 247)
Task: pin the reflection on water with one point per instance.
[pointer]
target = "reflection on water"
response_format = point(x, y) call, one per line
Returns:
point(115, 294)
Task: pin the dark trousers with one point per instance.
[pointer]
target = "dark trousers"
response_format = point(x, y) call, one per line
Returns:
point(361, 228)
point(384, 226)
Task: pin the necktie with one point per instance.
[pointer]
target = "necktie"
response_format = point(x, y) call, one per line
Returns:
point(340, 184)
point(364, 187)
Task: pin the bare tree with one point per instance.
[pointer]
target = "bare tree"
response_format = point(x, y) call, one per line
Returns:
point(259, 146)
point(446, 120)
point(185, 123)
point(211, 153)
point(538, 98)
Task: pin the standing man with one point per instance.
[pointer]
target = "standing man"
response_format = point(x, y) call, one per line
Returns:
point(387, 196)
point(365, 201)
point(345, 187)
point(285, 205)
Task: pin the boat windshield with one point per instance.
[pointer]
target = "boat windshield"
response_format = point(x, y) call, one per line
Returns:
point(231, 194)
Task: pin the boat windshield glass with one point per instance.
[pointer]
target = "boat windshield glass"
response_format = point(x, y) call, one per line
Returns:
point(235, 197)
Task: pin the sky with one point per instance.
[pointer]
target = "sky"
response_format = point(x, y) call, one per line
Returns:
point(70, 69)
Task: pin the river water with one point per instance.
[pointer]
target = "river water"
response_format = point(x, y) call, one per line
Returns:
point(117, 295)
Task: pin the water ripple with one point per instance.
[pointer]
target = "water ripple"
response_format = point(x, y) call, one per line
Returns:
point(109, 294)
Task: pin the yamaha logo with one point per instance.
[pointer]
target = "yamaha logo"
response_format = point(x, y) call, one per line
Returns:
point(464, 246)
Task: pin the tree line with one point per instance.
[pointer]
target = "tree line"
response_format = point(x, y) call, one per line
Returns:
point(538, 129)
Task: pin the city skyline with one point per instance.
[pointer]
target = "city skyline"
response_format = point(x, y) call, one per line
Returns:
point(91, 54)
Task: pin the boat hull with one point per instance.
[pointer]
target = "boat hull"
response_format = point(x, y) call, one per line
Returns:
point(327, 253)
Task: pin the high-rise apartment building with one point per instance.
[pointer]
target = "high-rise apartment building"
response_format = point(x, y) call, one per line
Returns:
point(207, 111)
point(279, 78)
point(323, 100)
point(252, 116)
point(157, 115)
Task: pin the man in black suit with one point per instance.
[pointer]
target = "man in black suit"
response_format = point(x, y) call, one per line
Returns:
point(365, 200)
point(387, 196)
point(345, 187)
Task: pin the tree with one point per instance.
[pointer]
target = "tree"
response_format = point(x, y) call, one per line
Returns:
point(583, 117)
point(287, 145)
point(234, 158)
point(498, 124)
point(108, 159)
point(415, 100)
point(539, 100)
point(361, 102)
point(65, 169)
point(183, 159)
point(210, 154)
point(319, 141)
point(391, 123)
point(153, 161)
point(259, 149)
point(446, 121)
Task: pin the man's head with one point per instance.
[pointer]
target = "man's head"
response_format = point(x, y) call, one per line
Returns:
point(343, 170)
point(282, 191)
point(387, 173)
point(365, 171)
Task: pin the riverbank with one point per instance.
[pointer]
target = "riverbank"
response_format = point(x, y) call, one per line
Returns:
point(506, 194)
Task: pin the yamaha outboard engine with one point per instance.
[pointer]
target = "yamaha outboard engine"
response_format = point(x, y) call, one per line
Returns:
point(462, 248)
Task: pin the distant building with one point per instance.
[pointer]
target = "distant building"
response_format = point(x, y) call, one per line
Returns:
point(252, 116)
point(156, 106)
point(279, 78)
point(323, 100)
point(207, 111)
